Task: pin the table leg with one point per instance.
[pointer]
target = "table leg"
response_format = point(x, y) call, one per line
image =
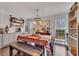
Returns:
point(10, 50)
point(25, 42)
point(45, 51)
point(18, 52)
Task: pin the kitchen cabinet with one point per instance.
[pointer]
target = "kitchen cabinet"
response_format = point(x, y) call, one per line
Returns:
point(6, 39)
point(0, 41)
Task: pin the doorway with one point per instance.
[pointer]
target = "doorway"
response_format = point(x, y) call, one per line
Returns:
point(40, 26)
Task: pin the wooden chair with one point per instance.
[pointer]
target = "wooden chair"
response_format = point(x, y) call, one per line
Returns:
point(52, 45)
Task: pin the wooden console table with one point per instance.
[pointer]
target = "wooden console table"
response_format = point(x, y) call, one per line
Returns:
point(25, 49)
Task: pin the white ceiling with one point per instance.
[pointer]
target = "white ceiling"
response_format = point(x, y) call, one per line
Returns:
point(27, 9)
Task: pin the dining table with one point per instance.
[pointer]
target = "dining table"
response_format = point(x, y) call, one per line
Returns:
point(43, 40)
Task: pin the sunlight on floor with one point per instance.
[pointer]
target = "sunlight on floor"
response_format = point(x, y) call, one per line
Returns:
point(59, 50)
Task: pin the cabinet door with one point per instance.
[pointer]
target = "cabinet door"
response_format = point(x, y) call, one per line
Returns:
point(0, 40)
point(4, 40)
point(11, 37)
point(8, 38)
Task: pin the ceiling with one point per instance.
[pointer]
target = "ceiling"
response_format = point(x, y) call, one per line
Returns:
point(27, 9)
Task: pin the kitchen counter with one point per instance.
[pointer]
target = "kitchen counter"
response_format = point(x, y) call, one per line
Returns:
point(7, 38)
point(0, 40)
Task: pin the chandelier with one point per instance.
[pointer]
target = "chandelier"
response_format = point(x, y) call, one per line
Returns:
point(37, 18)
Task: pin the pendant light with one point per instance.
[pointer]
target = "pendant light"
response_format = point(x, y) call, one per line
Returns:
point(37, 16)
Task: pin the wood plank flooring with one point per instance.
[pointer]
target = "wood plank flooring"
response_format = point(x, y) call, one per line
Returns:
point(58, 51)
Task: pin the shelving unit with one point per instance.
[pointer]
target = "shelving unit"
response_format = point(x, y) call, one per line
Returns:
point(73, 37)
point(73, 28)
point(78, 39)
point(16, 22)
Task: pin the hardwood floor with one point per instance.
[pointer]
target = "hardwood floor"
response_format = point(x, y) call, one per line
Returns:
point(5, 51)
point(58, 51)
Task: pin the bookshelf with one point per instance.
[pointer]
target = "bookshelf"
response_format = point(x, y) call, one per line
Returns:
point(73, 36)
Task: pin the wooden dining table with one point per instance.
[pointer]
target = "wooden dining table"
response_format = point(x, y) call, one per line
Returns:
point(26, 49)
point(42, 40)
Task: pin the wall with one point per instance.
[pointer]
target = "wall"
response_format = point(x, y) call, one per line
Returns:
point(58, 21)
point(54, 21)
point(4, 18)
point(51, 23)
point(61, 21)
